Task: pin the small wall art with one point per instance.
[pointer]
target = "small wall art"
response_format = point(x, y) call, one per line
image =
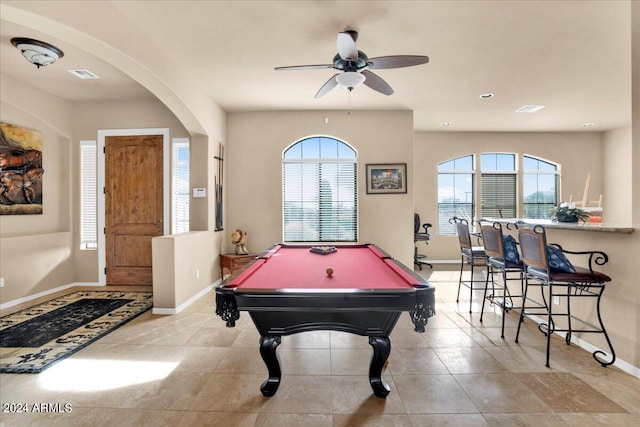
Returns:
point(386, 178)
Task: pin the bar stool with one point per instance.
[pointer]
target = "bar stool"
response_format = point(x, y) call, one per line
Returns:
point(547, 267)
point(470, 255)
point(503, 258)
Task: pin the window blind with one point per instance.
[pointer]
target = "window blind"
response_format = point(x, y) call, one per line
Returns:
point(180, 161)
point(319, 201)
point(88, 195)
point(499, 195)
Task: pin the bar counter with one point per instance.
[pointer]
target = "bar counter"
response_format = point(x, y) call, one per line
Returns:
point(581, 226)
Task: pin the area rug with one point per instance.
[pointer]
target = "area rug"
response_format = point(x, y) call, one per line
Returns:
point(35, 338)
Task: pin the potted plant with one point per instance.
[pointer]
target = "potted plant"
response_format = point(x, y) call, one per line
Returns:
point(568, 214)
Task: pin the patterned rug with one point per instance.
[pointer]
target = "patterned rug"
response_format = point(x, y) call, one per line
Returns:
point(35, 338)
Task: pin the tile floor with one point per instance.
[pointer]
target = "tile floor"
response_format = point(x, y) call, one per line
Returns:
point(190, 370)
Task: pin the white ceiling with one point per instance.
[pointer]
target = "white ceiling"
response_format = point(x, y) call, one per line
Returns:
point(574, 57)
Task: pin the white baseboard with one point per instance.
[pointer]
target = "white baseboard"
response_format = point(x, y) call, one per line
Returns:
point(619, 363)
point(86, 284)
point(45, 293)
point(187, 303)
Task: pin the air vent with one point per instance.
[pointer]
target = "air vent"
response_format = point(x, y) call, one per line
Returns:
point(529, 108)
point(83, 74)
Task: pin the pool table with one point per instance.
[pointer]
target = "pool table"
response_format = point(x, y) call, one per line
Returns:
point(357, 288)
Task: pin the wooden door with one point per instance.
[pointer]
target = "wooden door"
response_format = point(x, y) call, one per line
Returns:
point(133, 206)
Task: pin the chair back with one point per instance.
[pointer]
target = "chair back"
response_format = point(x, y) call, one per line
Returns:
point(416, 223)
point(492, 238)
point(462, 228)
point(533, 244)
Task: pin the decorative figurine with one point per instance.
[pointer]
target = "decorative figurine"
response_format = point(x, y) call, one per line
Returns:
point(239, 239)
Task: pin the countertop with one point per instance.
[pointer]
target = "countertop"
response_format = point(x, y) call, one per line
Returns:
point(581, 226)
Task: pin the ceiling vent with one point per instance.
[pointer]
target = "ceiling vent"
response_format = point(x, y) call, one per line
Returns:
point(83, 74)
point(529, 108)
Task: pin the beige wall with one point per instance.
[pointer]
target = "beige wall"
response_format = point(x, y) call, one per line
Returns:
point(35, 250)
point(617, 189)
point(254, 177)
point(183, 266)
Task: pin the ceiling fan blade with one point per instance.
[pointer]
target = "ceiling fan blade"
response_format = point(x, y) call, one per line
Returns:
point(328, 86)
point(376, 83)
point(396, 61)
point(306, 67)
point(347, 46)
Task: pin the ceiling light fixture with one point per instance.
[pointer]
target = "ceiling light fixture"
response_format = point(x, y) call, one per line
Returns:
point(445, 124)
point(529, 108)
point(587, 125)
point(486, 95)
point(38, 53)
point(350, 79)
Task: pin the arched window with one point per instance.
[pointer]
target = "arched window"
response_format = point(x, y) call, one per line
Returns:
point(455, 192)
point(541, 181)
point(319, 191)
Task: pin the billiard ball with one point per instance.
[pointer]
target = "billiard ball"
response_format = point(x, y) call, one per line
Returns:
point(329, 271)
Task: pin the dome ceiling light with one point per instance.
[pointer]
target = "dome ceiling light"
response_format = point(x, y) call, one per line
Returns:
point(38, 53)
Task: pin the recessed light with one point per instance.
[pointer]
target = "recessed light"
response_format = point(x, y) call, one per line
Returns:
point(586, 125)
point(445, 124)
point(529, 108)
point(83, 74)
point(486, 95)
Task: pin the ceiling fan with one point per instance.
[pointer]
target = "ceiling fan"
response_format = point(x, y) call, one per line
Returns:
point(352, 63)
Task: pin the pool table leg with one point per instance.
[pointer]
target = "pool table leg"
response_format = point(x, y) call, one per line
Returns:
point(268, 347)
point(381, 350)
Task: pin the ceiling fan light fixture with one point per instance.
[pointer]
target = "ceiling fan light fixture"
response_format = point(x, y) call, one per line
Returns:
point(37, 52)
point(350, 79)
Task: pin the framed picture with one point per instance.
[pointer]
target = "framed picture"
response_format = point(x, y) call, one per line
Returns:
point(386, 178)
point(20, 170)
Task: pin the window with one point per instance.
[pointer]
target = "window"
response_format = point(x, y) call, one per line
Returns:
point(179, 185)
point(541, 181)
point(455, 192)
point(498, 185)
point(319, 191)
point(88, 195)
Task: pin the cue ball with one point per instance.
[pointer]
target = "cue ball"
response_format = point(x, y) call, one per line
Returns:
point(329, 271)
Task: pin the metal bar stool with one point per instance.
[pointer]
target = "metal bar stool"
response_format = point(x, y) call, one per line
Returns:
point(470, 255)
point(418, 259)
point(502, 258)
point(547, 267)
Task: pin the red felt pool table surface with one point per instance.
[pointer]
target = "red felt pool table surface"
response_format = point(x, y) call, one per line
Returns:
point(296, 268)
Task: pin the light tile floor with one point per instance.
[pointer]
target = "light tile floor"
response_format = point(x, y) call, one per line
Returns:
point(190, 370)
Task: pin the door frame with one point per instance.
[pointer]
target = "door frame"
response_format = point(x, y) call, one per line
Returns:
point(166, 190)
